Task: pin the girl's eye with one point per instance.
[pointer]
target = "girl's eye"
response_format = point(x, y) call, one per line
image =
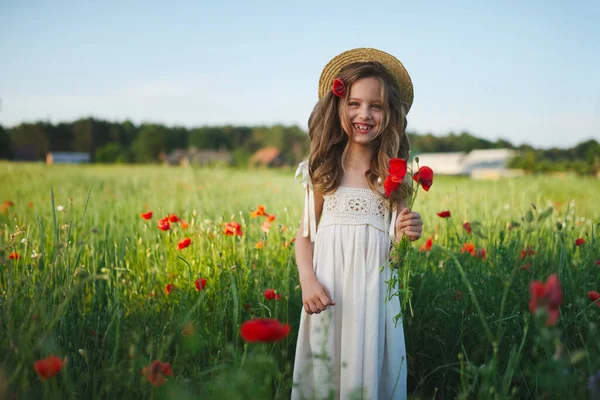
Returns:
point(377, 106)
point(353, 103)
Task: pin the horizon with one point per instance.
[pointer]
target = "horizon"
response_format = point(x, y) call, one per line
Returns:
point(525, 73)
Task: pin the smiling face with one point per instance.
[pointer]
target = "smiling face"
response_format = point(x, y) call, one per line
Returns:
point(363, 111)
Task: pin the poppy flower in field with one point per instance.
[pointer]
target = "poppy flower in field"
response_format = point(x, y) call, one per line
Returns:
point(13, 256)
point(173, 218)
point(458, 295)
point(200, 284)
point(525, 266)
point(260, 245)
point(48, 367)
point(396, 173)
point(595, 297)
point(527, 252)
point(259, 212)
point(468, 248)
point(579, 242)
point(183, 243)
point(266, 330)
point(155, 373)
point(271, 217)
point(424, 177)
point(147, 215)
point(30, 204)
point(169, 288)
point(546, 296)
point(597, 262)
point(163, 224)
point(265, 227)
point(270, 294)
point(232, 229)
point(183, 224)
point(468, 228)
point(444, 214)
point(427, 245)
point(9, 203)
point(481, 253)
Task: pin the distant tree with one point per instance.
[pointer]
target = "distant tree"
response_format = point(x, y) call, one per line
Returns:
point(109, 153)
point(150, 141)
point(5, 145)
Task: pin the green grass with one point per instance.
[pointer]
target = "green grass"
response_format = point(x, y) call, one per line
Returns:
point(97, 295)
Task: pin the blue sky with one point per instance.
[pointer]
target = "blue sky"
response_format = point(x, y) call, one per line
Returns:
point(528, 71)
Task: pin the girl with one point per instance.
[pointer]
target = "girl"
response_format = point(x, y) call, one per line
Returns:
point(348, 345)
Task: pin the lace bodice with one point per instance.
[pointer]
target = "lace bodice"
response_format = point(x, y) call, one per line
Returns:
point(354, 206)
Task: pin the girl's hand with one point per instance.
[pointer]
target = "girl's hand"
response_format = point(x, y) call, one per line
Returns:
point(409, 223)
point(315, 296)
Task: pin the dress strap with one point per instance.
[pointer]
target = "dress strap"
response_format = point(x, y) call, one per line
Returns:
point(393, 224)
point(308, 221)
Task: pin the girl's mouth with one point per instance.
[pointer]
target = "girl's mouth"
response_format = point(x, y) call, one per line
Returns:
point(362, 128)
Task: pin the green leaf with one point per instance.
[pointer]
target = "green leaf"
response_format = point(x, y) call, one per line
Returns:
point(546, 213)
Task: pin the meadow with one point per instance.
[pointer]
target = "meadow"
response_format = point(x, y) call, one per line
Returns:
point(84, 278)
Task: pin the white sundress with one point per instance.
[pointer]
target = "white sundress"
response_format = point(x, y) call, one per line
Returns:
point(353, 349)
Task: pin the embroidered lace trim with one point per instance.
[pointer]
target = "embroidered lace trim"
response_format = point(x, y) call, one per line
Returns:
point(354, 206)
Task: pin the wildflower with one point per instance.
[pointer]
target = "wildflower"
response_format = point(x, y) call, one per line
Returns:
point(594, 296)
point(481, 253)
point(147, 215)
point(184, 243)
point(271, 217)
point(9, 203)
point(59, 208)
point(173, 218)
point(468, 248)
point(396, 173)
point(527, 252)
point(260, 245)
point(169, 288)
point(233, 228)
point(427, 245)
point(200, 284)
point(546, 296)
point(266, 226)
point(264, 330)
point(444, 214)
point(597, 262)
point(183, 224)
point(155, 373)
point(424, 177)
point(525, 266)
point(467, 226)
point(35, 254)
point(458, 295)
point(580, 242)
point(30, 204)
point(259, 212)
point(13, 256)
point(270, 294)
point(24, 240)
point(163, 224)
point(48, 367)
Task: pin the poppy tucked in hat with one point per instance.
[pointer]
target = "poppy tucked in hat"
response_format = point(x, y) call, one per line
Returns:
point(391, 64)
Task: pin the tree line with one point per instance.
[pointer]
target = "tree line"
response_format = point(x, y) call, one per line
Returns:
point(126, 142)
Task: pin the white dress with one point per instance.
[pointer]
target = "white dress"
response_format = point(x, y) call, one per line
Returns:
point(352, 349)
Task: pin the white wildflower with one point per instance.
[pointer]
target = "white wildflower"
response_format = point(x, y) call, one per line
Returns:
point(35, 254)
point(24, 240)
point(59, 208)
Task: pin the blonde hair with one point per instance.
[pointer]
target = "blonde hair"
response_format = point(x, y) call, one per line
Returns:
point(328, 139)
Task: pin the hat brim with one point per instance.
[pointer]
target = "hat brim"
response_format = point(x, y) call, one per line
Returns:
point(391, 63)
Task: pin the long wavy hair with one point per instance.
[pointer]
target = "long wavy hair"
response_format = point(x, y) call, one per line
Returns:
point(328, 140)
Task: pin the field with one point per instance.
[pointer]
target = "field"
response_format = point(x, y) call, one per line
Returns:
point(85, 278)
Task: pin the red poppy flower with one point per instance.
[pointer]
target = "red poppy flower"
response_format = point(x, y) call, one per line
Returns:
point(597, 262)
point(270, 294)
point(173, 218)
point(163, 224)
point(396, 173)
point(527, 252)
point(424, 177)
point(525, 266)
point(467, 226)
point(427, 245)
point(444, 214)
point(594, 296)
point(155, 373)
point(13, 255)
point(147, 215)
point(547, 296)
point(259, 212)
point(9, 203)
point(184, 243)
point(30, 204)
point(580, 242)
point(482, 253)
point(468, 248)
point(458, 295)
point(338, 87)
point(270, 218)
point(200, 284)
point(48, 367)
point(264, 330)
point(169, 288)
point(183, 224)
point(232, 228)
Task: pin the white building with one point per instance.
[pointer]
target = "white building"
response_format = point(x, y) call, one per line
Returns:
point(479, 164)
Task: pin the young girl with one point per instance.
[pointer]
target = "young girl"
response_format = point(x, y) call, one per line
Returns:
point(348, 345)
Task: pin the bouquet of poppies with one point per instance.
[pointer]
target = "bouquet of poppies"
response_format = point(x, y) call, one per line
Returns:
point(399, 282)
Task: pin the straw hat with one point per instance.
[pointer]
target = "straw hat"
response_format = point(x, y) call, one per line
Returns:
point(391, 63)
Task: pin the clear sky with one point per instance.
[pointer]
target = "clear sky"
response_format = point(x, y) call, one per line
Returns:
point(526, 71)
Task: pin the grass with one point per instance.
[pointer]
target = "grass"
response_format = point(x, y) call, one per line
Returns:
point(97, 296)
